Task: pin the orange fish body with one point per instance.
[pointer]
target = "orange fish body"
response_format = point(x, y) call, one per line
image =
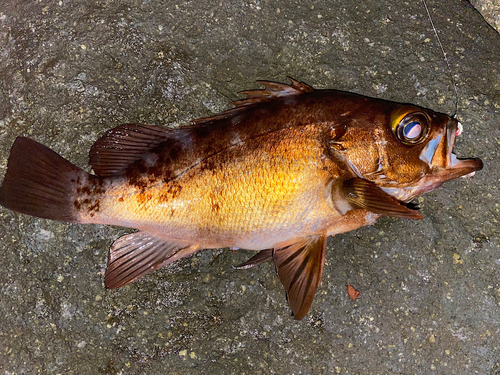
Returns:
point(251, 196)
point(280, 172)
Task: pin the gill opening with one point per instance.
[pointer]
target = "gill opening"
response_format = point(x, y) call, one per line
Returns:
point(445, 58)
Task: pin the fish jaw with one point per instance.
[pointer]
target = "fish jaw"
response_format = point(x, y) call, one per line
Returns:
point(444, 164)
point(459, 167)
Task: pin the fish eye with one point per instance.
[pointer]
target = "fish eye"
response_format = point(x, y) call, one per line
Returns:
point(412, 129)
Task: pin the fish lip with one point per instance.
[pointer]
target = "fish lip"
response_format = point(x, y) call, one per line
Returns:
point(458, 167)
point(462, 167)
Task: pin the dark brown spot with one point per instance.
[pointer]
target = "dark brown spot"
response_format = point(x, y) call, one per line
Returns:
point(95, 207)
point(163, 198)
point(167, 176)
point(174, 189)
point(175, 150)
point(142, 176)
point(135, 175)
point(120, 199)
point(88, 195)
point(210, 149)
point(90, 206)
point(202, 131)
point(86, 190)
point(143, 197)
point(209, 165)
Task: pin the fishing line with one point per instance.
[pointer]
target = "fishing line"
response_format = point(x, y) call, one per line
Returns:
point(445, 58)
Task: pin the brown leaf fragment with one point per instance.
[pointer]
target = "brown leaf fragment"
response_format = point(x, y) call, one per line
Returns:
point(353, 293)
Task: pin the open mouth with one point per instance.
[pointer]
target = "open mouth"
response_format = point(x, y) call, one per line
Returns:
point(444, 163)
point(456, 167)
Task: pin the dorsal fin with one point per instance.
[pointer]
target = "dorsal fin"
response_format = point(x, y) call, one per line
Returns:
point(126, 144)
point(121, 146)
point(272, 90)
point(144, 153)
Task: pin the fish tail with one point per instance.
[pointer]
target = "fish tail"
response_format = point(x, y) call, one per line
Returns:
point(41, 183)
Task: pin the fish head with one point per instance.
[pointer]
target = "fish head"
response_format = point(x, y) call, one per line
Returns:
point(406, 150)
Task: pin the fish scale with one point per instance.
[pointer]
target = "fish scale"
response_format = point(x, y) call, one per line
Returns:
point(273, 181)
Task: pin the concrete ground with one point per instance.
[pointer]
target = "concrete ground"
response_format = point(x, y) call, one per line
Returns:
point(490, 10)
point(430, 289)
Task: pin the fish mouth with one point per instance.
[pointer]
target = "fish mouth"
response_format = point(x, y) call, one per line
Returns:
point(444, 164)
point(457, 167)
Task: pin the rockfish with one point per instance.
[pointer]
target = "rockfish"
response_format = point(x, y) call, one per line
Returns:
point(280, 172)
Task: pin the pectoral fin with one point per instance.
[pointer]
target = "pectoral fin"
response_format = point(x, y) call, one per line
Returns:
point(300, 264)
point(360, 193)
point(137, 254)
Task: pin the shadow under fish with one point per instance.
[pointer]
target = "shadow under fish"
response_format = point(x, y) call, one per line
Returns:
point(280, 172)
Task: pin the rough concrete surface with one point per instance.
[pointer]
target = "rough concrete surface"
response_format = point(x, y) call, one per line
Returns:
point(490, 9)
point(430, 289)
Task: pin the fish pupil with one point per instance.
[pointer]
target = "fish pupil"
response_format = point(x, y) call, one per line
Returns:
point(412, 130)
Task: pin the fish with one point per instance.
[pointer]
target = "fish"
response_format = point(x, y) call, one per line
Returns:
point(284, 169)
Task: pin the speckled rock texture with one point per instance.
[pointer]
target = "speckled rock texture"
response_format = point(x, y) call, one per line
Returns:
point(430, 289)
point(490, 9)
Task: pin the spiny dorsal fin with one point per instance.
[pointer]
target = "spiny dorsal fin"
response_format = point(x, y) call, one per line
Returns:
point(271, 91)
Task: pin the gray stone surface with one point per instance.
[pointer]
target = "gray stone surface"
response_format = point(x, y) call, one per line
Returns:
point(430, 289)
point(490, 9)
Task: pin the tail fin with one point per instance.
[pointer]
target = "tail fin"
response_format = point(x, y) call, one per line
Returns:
point(39, 182)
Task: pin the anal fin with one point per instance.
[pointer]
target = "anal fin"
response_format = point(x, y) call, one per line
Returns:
point(135, 255)
point(300, 263)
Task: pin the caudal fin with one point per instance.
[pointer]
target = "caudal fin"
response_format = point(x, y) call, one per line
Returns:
point(39, 182)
